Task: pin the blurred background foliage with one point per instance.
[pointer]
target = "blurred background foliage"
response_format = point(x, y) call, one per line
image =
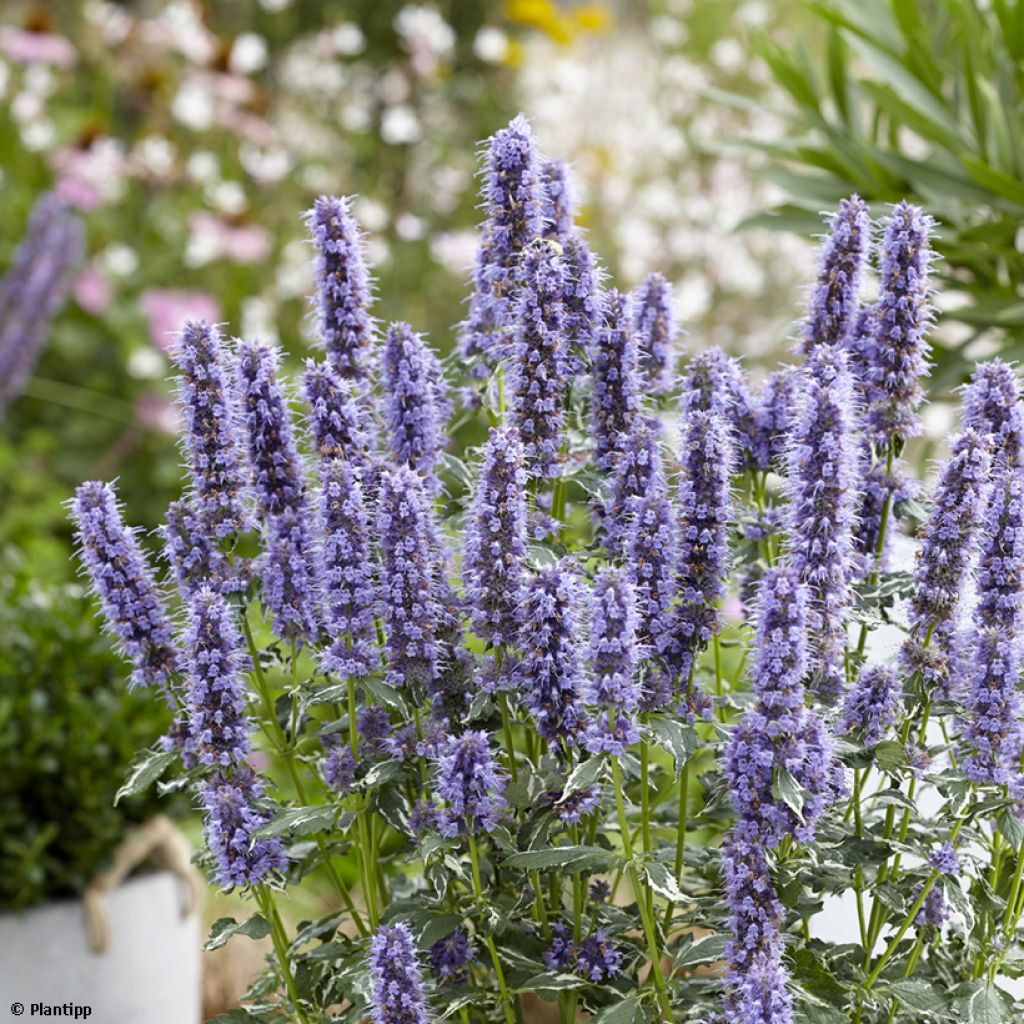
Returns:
point(921, 99)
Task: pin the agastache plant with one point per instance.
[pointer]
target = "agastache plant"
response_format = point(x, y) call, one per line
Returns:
point(616, 713)
point(655, 328)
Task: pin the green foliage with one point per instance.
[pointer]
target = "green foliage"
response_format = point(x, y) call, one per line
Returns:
point(917, 99)
point(68, 731)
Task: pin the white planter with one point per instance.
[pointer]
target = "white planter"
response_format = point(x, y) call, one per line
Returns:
point(149, 973)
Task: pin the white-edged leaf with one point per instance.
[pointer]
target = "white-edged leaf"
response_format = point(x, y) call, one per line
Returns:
point(224, 928)
point(144, 771)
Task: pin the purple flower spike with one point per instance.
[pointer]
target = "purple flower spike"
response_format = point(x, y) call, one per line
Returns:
point(616, 390)
point(773, 418)
point(650, 548)
point(134, 610)
point(947, 551)
point(450, 958)
point(872, 703)
point(714, 382)
point(396, 986)
point(992, 407)
point(231, 818)
point(492, 567)
point(548, 674)
point(558, 206)
point(411, 609)
point(513, 195)
point(598, 959)
point(212, 431)
point(335, 418)
point(639, 469)
point(540, 366)
point(289, 583)
point(218, 728)
point(655, 328)
point(897, 361)
point(704, 513)
point(276, 468)
point(833, 305)
point(343, 292)
point(470, 784)
point(35, 288)
point(614, 657)
point(760, 996)
point(879, 487)
point(581, 299)
point(993, 732)
point(415, 416)
point(347, 572)
point(196, 562)
point(824, 461)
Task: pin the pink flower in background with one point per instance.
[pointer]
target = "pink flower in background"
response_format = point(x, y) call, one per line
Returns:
point(88, 177)
point(217, 239)
point(92, 291)
point(158, 413)
point(25, 47)
point(168, 308)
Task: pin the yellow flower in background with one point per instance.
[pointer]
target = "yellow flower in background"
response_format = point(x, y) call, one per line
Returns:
point(561, 24)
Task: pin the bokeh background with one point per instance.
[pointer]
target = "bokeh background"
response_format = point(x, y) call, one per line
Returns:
point(705, 137)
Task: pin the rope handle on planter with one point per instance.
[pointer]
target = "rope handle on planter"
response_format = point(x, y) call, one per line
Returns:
point(159, 837)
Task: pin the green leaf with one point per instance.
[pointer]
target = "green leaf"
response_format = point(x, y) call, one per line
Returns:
point(789, 791)
point(961, 903)
point(549, 982)
point(299, 821)
point(981, 1003)
point(584, 775)
point(916, 994)
point(708, 950)
point(336, 693)
point(662, 881)
point(680, 740)
point(1011, 828)
point(386, 695)
point(890, 755)
point(382, 773)
point(626, 1011)
point(565, 857)
point(144, 771)
point(224, 928)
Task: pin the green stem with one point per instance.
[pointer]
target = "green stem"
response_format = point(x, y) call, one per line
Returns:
point(506, 725)
point(640, 896)
point(506, 1002)
point(684, 791)
point(265, 899)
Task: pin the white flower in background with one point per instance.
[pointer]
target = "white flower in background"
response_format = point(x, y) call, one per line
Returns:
point(5, 77)
point(259, 319)
point(248, 54)
point(118, 260)
point(180, 24)
point(491, 44)
point(409, 227)
point(203, 167)
point(399, 126)
point(27, 107)
point(155, 155)
point(228, 197)
point(193, 105)
point(348, 39)
point(427, 37)
point(113, 21)
point(39, 135)
point(455, 251)
point(147, 362)
point(265, 165)
point(294, 272)
point(371, 214)
point(39, 79)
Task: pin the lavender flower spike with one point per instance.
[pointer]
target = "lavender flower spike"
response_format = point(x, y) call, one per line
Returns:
point(134, 610)
point(715, 382)
point(218, 728)
point(277, 472)
point(650, 548)
point(773, 417)
point(212, 429)
point(947, 550)
point(540, 366)
point(704, 513)
point(994, 733)
point(396, 986)
point(833, 305)
point(35, 288)
point(194, 559)
point(898, 359)
point(513, 195)
point(655, 328)
point(493, 564)
point(408, 596)
point(548, 673)
point(992, 406)
point(336, 422)
point(614, 657)
point(470, 784)
point(823, 477)
point(616, 390)
point(581, 312)
point(290, 589)
point(638, 470)
point(343, 292)
point(872, 703)
point(347, 572)
point(558, 206)
point(414, 415)
point(231, 820)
